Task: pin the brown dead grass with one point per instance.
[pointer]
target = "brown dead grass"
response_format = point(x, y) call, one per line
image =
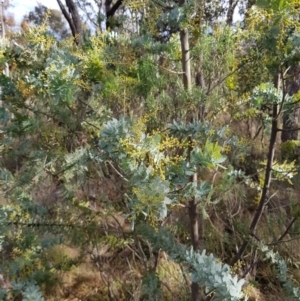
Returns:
point(114, 280)
point(253, 293)
point(95, 280)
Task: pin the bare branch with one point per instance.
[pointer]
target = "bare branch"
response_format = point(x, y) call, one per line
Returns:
point(287, 230)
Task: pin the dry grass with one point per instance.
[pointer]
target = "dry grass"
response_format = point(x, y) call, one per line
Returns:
point(116, 280)
point(93, 280)
point(174, 284)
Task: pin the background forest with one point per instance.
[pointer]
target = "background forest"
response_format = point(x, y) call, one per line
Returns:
point(150, 151)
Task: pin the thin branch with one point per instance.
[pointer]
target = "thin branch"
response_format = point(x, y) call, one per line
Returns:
point(287, 230)
point(225, 77)
point(111, 165)
point(184, 274)
point(283, 96)
point(257, 133)
point(252, 265)
point(283, 241)
point(290, 75)
point(171, 71)
point(84, 9)
point(265, 190)
point(288, 130)
point(269, 199)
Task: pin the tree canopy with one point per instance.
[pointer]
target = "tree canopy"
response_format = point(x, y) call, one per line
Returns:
point(53, 17)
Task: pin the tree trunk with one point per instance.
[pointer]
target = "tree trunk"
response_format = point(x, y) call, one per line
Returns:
point(185, 58)
point(230, 11)
point(192, 205)
point(291, 115)
point(265, 191)
point(267, 182)
point(73, 19)
point(110, 11)
point(194, 228)
point(200, 82)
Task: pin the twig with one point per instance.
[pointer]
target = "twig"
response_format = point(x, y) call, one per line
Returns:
point(225, 77)
point(288, 130)
point(171, 71)
point(250, 268)
point(283, 241)
point(111, 165)
point(184, 275)
point(144, 261)
point(287, 230)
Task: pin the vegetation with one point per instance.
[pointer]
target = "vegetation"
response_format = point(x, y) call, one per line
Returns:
point(154, 156)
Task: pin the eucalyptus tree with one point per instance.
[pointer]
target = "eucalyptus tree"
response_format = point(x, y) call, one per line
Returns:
point(53, 17)
point(71, 13)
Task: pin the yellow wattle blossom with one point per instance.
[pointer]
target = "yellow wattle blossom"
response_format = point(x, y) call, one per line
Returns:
point(17, 252)
point(231, 83)
point(36, 35)
point(154, 150)
point(227, 149)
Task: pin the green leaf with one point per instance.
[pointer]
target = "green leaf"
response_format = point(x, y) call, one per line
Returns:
point(203, 189)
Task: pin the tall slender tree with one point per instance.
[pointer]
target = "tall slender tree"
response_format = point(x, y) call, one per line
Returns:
point(290, 125)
